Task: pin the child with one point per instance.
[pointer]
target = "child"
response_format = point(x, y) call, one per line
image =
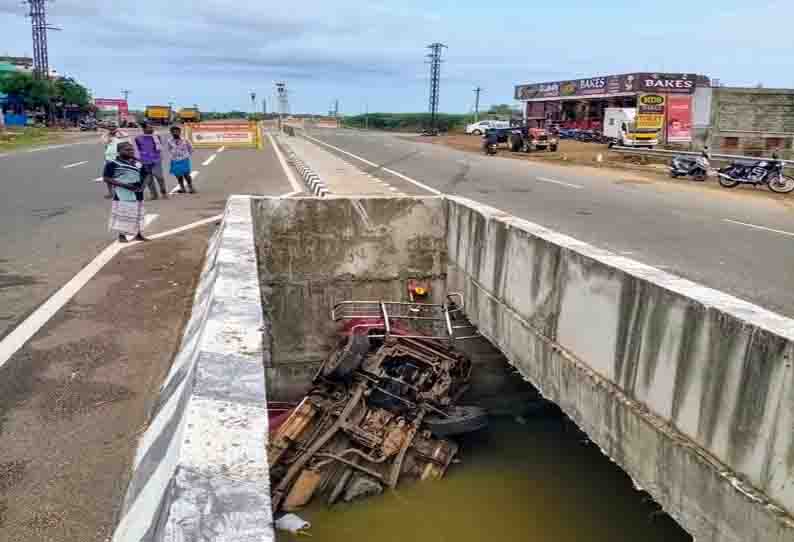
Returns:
point(181, 150)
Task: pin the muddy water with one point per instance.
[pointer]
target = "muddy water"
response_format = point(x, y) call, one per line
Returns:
point(533, 481)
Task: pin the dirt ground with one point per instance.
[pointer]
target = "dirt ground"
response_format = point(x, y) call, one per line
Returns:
point(78, 396)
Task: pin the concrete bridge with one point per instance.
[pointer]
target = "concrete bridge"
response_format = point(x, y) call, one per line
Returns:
point(687, 389)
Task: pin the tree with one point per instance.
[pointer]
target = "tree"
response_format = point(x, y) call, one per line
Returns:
point(40, 93)
point(500, 109)
point(70, 92)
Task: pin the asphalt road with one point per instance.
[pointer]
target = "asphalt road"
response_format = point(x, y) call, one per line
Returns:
point(53, 217)
point(736, 241)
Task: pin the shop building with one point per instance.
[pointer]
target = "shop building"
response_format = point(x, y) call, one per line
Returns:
point(686, 108)
point(664, 100)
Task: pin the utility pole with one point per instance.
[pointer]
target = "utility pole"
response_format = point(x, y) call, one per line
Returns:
point(38, 22)
point(253, 103)
point(264, 107)
point(126, 94)
point(435, 80)
point(366, 116)
point(477, 104)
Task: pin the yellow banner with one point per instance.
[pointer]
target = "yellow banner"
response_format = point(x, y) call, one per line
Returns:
point(650, 121)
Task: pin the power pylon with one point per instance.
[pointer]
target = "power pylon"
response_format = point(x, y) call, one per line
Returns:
point(38, 21)
point(435, 80)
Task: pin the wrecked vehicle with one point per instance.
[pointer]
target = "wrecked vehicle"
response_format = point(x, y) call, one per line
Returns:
point(380, 408)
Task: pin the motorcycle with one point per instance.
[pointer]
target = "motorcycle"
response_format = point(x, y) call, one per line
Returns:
point(489, 142)
point(755, 172)
point(88, 126)
point(696, 167)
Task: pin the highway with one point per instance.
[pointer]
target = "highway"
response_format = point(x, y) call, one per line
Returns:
point(735, 241)
point(53, 216)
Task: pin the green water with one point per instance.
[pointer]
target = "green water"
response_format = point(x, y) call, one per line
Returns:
point(516, 482)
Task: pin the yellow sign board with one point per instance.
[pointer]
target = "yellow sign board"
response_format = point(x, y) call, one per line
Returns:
point(242, 134)
point(652, 121)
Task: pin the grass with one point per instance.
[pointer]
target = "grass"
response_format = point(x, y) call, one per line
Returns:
point(13, 139)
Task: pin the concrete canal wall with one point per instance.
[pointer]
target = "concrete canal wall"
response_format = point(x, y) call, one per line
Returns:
point(689, 390)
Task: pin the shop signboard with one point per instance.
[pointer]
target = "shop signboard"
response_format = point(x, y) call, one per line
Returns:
point(670, 83)
point(593, 86)
point(679, 119)
point(542, 90)
point(650, 111)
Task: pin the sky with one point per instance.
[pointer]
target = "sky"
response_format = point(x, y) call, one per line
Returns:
point(370, 55)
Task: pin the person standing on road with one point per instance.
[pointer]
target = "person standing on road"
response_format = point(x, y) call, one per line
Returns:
point(111, 139)
point(181, 151)
point(149, 147)
point(126, 176)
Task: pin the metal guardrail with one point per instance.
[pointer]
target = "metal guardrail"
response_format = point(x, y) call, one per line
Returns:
point(715, 156)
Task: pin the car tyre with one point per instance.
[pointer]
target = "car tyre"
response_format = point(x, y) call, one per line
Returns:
point(459, 420)
point(477, 132)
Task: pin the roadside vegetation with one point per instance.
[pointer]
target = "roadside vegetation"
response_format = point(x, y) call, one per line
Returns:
point(417, 122)
point(26, 137)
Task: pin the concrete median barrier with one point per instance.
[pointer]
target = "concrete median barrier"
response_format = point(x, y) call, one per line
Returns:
point(200, 472)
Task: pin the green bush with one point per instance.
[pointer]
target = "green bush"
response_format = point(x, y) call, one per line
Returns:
point(407, 122)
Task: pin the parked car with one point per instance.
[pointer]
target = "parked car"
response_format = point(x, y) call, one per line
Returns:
point(479, 128)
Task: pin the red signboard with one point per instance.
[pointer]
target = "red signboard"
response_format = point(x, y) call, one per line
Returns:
point(113, 104)
point(679, 119)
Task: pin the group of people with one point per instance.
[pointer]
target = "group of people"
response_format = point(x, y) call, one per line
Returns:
point(132, 166)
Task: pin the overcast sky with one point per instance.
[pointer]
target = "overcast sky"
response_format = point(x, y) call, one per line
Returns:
point(215, 52)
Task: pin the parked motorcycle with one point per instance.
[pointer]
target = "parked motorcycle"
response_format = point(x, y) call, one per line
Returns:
point(88, 126)
point(755, 172)
point(696, 167)
point(490, 141)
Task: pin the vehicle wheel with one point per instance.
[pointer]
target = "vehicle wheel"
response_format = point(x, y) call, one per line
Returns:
point(477, 132)
point(782, 185)
point(673, 174)
point(515, 144)
point(610, 144)
point(727, 183)
point(553, 148)
point(460, 420)
point(342, 363)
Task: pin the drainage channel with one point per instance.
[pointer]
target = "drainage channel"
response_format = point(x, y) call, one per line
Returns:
point(531, 475)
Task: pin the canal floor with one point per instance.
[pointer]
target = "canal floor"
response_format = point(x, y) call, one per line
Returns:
point(517, 481)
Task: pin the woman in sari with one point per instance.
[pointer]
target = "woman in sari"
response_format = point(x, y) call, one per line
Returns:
point(126, 176)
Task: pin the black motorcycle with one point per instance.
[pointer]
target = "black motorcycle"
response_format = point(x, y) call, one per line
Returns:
point(490, 141)
point(757, 172)
point(696, 167)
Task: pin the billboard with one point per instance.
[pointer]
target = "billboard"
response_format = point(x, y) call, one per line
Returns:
point(679, 119)
point(112, 107)
point(650, 111)
point(212, 134)
point(669, 83)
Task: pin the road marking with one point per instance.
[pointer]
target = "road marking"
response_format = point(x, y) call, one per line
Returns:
point(186, 227)
point(75, 164)
point(99, 179)
point(33, 323)
point(373, 164)
point(221, 149)
point(290, 194)
point(546, 180)
point(764, 228)
point(50, 148)
point(209, 160)
point(290, 177)
point(392, 189)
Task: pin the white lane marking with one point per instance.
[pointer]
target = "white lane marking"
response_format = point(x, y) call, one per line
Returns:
point(99, 179)
point(290, 194)
point(547, 180)
point(392, 189)
point(187, 227)
point(221, 149)
point(75, 164)
point(209, 160)
point(50, 148)
point(373, 164)
point(33, 323)
point(755, 226)
point(290, 177)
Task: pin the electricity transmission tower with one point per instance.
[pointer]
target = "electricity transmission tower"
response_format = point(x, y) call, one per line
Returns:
point(38, 21)
point(435, 79)
point(126, 94)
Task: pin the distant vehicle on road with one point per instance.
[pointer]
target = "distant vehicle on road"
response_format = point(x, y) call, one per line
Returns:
point(189, 114)
point(620, 128)
point(479, 128)
point(158, 114)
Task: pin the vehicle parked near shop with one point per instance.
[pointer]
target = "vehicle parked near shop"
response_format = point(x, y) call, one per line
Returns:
point(757, 172)
point(620, 128)
point(523, 139)
point(479, 128)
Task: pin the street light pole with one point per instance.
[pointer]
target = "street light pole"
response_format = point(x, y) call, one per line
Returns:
point(477, 104)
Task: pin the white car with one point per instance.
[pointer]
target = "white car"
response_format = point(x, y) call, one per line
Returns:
point(478, 128)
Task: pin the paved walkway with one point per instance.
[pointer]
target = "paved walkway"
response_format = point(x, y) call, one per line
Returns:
point(341, 177)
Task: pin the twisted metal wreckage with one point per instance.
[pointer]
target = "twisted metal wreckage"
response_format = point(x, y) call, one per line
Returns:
point(381, 405)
